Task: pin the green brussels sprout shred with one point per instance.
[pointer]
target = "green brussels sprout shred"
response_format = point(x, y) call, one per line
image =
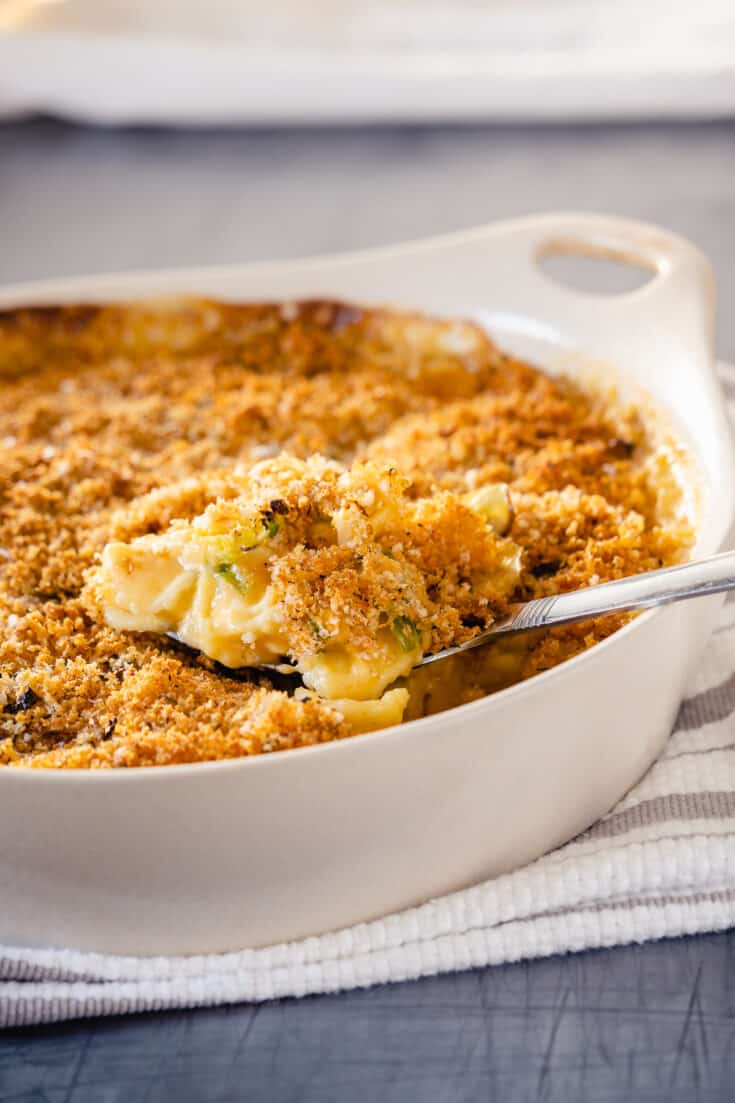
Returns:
point(407, 633)
point(318, 630)
point(231, 574)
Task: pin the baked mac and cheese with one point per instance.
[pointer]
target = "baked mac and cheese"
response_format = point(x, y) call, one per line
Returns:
point(349, 487)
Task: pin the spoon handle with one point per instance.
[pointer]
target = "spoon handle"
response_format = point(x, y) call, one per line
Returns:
point(642, 591)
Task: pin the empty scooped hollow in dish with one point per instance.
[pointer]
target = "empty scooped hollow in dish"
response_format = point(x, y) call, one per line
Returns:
point(348, 487)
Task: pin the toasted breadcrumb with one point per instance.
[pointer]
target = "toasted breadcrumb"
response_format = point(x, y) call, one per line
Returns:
point(345, 552)
point(116, 421)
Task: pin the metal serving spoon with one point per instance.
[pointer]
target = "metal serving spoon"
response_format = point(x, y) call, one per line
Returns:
point(642, 591)
point(712, 575)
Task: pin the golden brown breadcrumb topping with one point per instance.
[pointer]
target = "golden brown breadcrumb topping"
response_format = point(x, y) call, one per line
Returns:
point(117, 420)
point(348, 551)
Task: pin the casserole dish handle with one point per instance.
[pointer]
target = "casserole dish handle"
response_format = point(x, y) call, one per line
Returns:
point(676, 305)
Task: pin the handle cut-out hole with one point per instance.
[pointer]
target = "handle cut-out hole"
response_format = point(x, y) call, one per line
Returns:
point(592, 274)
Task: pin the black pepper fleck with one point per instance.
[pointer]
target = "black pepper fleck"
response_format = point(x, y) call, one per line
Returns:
point(110, 729)
point(27, 700)
point(621, 449)
point(543, 570)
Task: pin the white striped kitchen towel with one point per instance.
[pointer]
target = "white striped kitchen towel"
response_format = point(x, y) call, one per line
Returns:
point(662, 863)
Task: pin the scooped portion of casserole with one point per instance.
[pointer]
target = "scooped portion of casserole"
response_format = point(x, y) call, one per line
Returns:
point(336, 569)
point(347, 486)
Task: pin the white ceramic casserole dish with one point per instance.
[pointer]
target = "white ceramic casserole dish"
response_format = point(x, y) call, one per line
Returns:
point(227, 855)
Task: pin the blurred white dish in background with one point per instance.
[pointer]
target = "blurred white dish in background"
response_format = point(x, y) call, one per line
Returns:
point(180, 61)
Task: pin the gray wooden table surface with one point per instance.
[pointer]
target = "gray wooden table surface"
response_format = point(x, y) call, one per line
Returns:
point(637, 1023)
